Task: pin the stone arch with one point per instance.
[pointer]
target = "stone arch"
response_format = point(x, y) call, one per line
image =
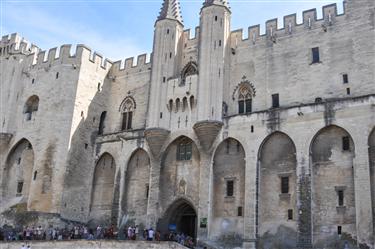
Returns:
point(277, 195)
point(192, 102)
point(103, 189)
point(331, 155)
point(127, 108)
point(18, 171)
point(180, 216)
point(228, 190)
point(190, 68)
point(371, 152)
point(180, 161)
point(136, 187)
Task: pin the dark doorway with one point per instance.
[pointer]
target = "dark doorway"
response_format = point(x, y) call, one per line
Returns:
point(180, 217)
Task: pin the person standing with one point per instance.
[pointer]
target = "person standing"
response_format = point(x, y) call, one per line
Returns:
point(150, 234)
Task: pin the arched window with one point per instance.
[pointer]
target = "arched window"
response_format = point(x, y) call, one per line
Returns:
point(31, 106)
point(101, 122)
point(127, 109)
point(244, 100)
point(184, 104)
point(191, 102)
point(177, 104)
point(184, 150)
point(190, 69)
point(170, 106)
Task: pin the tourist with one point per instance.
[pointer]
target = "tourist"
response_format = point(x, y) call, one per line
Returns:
point(150, 234)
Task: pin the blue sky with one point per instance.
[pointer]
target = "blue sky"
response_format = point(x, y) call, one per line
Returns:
point(124, 28)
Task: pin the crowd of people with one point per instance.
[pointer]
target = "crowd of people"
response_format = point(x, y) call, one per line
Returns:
point(83, 232)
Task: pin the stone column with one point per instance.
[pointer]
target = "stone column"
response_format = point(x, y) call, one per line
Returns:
point(250, 211)
point(364, 219)
point(153, 197)
point(205, 195)
point(304, 223)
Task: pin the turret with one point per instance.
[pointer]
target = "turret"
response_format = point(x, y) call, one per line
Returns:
point(213, 53)
point(166, 57)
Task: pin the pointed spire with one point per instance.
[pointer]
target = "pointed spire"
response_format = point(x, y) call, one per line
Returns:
point(170, 10)
point(215, 2)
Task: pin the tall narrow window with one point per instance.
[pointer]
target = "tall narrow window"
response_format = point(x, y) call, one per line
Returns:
point(275, 100)
point(101, 122)
point(340, 195)
point(230, 188)
point(190, 69)
point(128, 107)
point(147, 190)
point(19, 187)
point(290, 214)
point(239, 211)
point(345, 79)
point(285, 185)
point(244, 100)
point(345, 143)
point(315, 55)
point(35, 174)
point(184, 150)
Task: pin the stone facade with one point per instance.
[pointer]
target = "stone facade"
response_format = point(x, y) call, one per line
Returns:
point(258, 142)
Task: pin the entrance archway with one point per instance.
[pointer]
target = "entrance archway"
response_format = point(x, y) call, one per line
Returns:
point(180, 217)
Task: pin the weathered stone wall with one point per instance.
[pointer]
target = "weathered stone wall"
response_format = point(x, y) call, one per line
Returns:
point(277, 160)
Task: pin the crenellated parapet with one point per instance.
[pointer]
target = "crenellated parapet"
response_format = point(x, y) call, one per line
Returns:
point(16, 44)
point(130, 66)
point(273, 32)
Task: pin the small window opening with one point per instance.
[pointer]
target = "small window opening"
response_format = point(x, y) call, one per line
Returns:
point(290, 214)
point(239, 211)
point(252, 129)
point(215, 18)
point(315, 55)
point(82, 114)
point(163, 79)
point(340, 194)
point(318, 100)
point(32, 81)
point(86, 146)
point(102, 123)
point(348, 91)
point(161, 115)
point(339, 230)
point(167, 31)
point(345, 143)
point(147, 190)
point(19, 187)
point(99, 87)
point(227, 146)
point(275, 100)
point(230, 188)
point(19, 160)
point(219, 43)
point(57, 75)
point(285, 185)
point(170, 55)
point(35, 174)
point(345, 79)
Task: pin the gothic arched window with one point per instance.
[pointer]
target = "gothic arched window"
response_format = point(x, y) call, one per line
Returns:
point(190, 69)
point(244, 100)
point(184, 150)
point(127, 109)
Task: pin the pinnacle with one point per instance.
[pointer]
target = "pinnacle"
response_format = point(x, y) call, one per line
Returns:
point(215, 2)
point(170, 10)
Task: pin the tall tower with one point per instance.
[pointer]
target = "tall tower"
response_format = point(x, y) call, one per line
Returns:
point(167, 37)
point(213, 52)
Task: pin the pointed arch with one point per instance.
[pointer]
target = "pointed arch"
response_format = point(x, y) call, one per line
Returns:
point(332, 151)
point(136, 187)
point(180, 161)
point(103, 189)
point(191, 68)
point(277, 191)
point(127, 108)
point(18, 172)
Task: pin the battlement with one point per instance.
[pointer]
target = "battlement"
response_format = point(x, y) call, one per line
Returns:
point(273, 31)
point(14, 43)
point(128, 65)
point(187, 34)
